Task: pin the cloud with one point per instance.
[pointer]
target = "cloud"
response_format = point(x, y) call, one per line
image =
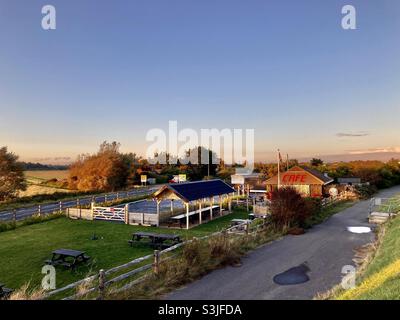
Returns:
point(352, 134)
point(375, 150)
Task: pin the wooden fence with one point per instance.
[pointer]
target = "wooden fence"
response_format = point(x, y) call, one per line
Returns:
point(99, 282)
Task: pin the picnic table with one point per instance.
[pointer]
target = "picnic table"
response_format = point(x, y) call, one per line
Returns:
point(238, 222)
point(157, 240)
point(67, 258)
point(4, 292)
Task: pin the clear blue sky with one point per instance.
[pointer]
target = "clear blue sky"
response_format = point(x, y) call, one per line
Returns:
point(114, 69)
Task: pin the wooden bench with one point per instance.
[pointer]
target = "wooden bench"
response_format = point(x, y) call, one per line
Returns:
point(156, 240)
point(60, 257)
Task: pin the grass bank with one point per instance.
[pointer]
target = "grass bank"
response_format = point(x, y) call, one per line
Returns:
point(380, 281)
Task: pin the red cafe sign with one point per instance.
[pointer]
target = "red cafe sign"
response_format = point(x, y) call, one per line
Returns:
point(295, 178)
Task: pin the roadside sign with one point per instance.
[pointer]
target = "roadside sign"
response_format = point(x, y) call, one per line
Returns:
point(182, 178)
point(143, 178)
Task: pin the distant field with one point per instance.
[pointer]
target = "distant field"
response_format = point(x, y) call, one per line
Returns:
point(47, 174)
point(36, 182)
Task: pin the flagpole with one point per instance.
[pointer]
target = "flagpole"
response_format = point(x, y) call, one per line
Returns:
point(279, 171)
point(287, 162)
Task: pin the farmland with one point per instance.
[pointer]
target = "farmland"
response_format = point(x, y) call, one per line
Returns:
point(43, 182)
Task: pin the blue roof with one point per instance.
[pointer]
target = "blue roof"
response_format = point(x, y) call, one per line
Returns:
point(191, 191)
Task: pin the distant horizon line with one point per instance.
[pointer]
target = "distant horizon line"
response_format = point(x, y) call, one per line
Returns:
point(332, 158)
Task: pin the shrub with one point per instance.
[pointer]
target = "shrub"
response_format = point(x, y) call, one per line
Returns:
point(288, 208)
point(366, 191)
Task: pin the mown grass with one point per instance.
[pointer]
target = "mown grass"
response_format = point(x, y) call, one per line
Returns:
point(381, 277)
point(23, 250)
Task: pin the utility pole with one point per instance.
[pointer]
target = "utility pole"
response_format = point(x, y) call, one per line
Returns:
point(279, 170)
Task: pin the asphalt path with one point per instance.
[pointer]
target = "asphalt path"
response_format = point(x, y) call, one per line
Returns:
point(23, 213)
point(325, 249)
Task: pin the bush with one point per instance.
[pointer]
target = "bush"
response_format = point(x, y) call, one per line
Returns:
point(288, 208)
point(366, 191)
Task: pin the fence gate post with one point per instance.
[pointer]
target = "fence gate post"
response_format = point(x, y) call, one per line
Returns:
point(92, 209)
point(102, 282)
point(156, 264)
point(127, 214)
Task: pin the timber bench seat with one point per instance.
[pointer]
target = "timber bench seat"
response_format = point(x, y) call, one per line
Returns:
point(67, 258)
point(4, 292)
point(156, 240)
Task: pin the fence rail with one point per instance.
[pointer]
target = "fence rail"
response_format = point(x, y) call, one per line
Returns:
point(157, 257)
point(61, 206)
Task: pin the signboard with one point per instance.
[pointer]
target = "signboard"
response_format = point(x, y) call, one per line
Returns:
point(143, 178)
point(182, 178)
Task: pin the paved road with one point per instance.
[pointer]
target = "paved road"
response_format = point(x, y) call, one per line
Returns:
point(23, 213)
point(326, 248)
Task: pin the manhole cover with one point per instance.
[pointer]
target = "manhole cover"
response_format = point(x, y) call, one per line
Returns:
point(295, 275)
point(359, 229)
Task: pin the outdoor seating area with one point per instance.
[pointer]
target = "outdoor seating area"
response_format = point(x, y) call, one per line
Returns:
point(4, 292)
point(155, 240)
point(67, 258)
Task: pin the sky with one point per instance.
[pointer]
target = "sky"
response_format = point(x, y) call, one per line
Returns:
point(113, 70)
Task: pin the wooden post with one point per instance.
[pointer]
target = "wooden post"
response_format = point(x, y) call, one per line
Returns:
point(247, 227)
point(220, 205)
point(105, 197)
point(158, 212)
point(39, 210)
point(187, 216)
point(92, 210)
point(156, 264)
point(200, 215)
point(172, 206)
point(229, 203)
point(60, 206)
point(211, 208)
point(102, 284)
point(15, 215)
point(117, 195)
point(78, 204)
point(126, 214)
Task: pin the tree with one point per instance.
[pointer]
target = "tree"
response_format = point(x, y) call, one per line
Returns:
point(288, 208)
point(315, 162)
point(12, 179)
point(107, 170)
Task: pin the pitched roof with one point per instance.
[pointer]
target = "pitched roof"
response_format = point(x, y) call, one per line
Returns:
point(318, 174)
point(190, 191)
point(315, 176)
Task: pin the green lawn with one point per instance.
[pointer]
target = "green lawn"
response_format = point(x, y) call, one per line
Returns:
point(23, 250)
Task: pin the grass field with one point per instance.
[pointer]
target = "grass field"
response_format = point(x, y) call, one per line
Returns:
point(37, 185)
point(22, 251)
point(46, 174)
point(381, 280)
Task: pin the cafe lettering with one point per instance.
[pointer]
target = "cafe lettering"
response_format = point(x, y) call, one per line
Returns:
point(309, 182)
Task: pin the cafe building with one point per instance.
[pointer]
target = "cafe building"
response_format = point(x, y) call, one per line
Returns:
point(308, 182)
